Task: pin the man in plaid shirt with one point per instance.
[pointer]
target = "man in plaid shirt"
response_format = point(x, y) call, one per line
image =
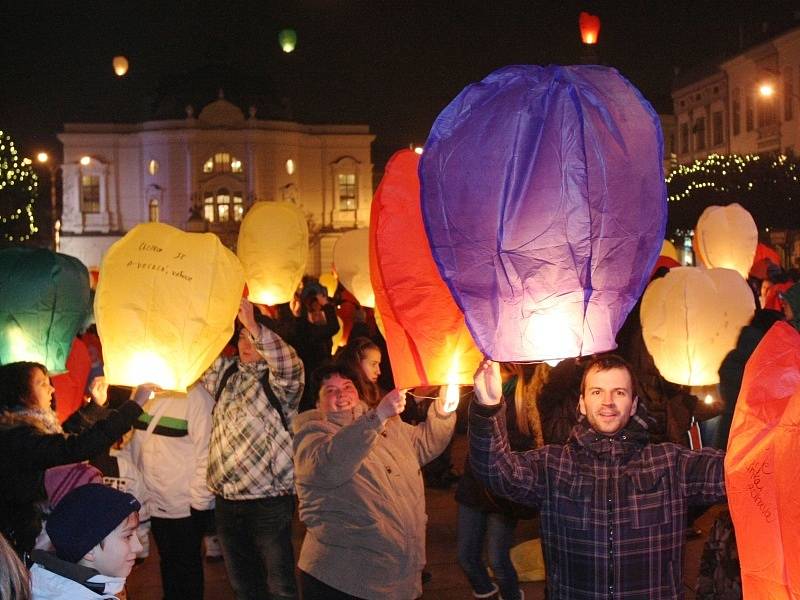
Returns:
point(250, 467)
point(612, 506)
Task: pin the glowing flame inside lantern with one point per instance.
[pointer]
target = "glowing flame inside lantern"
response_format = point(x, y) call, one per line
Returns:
point(147, 366)
point(20, 349)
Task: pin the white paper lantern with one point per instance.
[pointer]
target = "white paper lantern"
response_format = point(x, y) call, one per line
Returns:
point(691, 318)
point(351, 262)
point(726, 237)
point(273, 248)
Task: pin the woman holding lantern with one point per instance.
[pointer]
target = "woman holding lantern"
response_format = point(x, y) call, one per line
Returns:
point(31, 440)
point(361, 493)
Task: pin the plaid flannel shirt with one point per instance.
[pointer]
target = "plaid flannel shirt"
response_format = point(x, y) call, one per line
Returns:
point(612, 509)
point(250, 454)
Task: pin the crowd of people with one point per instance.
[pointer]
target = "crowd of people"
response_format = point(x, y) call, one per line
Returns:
point(283, 422)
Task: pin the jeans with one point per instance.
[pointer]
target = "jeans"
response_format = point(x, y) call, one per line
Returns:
point(256, 538)
point(179, 548)
point(314, 589)
point(497, 530)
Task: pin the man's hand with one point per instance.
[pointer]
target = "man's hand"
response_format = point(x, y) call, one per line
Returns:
point(247, 319)
point(392, 404)
point(99, 390)
point(488, 385)
point(143, 393)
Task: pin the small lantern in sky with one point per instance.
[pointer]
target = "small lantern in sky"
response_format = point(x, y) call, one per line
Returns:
point(544, 203)
point(45, 301)
point(351, 263)
point(273, 248)
point(691, 319)
point(287, 38)
point(120, 64)
point(428, 341)
point(165, 305)
point(726, 237)
point(590, 28)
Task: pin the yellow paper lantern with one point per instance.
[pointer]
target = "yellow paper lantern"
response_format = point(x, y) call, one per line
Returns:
point(351, 261)
point(165, 305)
point(668, 249)
point(120, 64)
point(273, 248)
point(691, 318)
point(726, 237)
point(329, 282)
point(336, 340)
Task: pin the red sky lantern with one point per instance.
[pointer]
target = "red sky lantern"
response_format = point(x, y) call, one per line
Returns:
point(590, 27)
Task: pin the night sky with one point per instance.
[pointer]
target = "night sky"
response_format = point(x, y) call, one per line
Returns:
point(391, 65)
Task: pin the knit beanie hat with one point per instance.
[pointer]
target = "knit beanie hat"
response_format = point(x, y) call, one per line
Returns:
point(85, 516)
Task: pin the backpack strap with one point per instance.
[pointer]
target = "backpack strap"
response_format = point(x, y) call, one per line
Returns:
point(224, 380)
point(273, 399)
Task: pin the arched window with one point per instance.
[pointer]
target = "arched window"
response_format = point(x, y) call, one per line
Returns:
point(223, 206)
point(222, 162)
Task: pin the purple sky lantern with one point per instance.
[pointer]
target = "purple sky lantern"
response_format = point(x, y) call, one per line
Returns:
point(544, 202)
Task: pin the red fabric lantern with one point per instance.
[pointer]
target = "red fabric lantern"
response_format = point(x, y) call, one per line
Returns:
point(761, 468)
point(71, 385)
point(764, 254)
point(428, 340)
point(590, 28)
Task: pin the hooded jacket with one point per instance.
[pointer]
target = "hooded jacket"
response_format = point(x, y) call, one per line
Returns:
point(28, 448)
point(362, 498)
point(612, 508)
point(56, 579)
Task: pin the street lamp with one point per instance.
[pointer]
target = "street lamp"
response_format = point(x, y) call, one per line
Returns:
point(766, 90)
point(55, 218)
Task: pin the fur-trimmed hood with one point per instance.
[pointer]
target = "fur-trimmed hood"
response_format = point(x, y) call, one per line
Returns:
point(35, 419)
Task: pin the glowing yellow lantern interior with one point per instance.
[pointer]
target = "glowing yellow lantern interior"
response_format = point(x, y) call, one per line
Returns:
point(727, 237)
point(165, 305)
point(691, 319)
point(273, 248)
point(351, 261)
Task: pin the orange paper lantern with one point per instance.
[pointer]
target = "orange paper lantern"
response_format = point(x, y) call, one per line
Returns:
point(426, 335)
point(590, 28)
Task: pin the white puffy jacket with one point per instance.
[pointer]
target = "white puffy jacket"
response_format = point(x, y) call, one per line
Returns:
point(172, 457)
point(47, 585)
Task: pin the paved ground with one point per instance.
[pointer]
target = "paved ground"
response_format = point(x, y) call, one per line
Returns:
point(448, 582)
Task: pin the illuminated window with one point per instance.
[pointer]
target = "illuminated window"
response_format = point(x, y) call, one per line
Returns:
point(153, 207)
point(152, 167)
point(736, 111)
point(223, 162)
point(290, 167)
point(238, 207)
point(348, 199)
point(90, 193)
point(222, 206)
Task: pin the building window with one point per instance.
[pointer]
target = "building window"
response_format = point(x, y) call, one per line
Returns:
point(684, 138)
point(700, 133)
point(716, 128)
point(348, 199)
point(748, 112)
point(222, 206)
point(152, 167)
point(788, 94)
point(222, 162)
point(767, 112)
point(736, 111)
point(153, 208)
point(90, 193)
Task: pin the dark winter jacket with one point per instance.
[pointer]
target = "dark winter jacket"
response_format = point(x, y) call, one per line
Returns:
point(612, 509)
point(27, 449)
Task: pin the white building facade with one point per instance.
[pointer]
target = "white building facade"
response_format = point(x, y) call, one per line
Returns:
point(203, 172)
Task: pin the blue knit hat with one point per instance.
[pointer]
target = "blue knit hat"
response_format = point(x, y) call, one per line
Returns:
point(85, 516)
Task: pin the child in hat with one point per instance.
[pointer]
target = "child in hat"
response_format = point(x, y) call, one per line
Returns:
point(93, 531)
